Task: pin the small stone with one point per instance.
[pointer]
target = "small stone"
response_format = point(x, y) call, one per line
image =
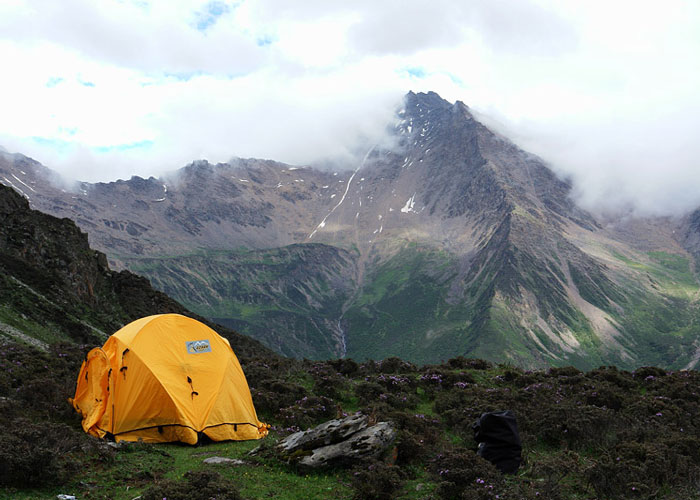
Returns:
point(223, 460)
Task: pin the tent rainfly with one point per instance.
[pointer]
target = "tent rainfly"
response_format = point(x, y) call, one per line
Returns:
point(166, 378)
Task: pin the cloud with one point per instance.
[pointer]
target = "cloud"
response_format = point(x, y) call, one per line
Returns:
point(408, 27)
point(604, 91)
point(636, 163)
point(127, 127)
point(152, 37)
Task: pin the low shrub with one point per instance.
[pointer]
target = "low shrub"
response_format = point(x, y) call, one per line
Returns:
point(564, 371)
point(645, 372)
point(606, 397)
point(368, 392)
point(271, 395)
point(327, 381)
point(375, 480)
point(460, 363)
point(611, 374)
point(400, 400)
point(395, 365)
point(552, 469)
point(308, 411)
point(419, 436)
point(574, 426)
point(200, 485)
point(345, 366)
point(461, 473)
point(37, 454)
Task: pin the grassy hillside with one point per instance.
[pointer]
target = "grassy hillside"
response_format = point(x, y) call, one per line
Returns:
point(417, 303)
point(54, 287)
point(662, 325)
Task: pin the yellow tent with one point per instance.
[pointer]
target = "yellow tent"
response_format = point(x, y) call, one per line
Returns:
point(166, 378)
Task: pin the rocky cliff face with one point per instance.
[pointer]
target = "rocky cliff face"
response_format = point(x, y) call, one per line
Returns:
point(450, 241)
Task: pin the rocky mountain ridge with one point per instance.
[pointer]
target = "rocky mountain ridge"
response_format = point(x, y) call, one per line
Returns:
point(450, 241)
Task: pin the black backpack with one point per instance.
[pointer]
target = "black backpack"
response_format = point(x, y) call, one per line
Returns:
point(499, 440)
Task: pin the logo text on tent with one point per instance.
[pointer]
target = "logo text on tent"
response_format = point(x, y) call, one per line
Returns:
point(198, 346)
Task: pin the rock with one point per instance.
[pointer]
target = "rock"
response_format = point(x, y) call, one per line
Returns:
point(327, 433)
point(223, 460)
point(337, 442)
point(14, 332)
point(371, 442)
point(255, 450)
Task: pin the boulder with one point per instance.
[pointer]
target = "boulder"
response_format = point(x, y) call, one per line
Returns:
point(371, 442)
point(341, 441)
point(327, 433)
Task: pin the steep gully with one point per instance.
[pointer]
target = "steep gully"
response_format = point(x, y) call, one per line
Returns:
point(360, 264)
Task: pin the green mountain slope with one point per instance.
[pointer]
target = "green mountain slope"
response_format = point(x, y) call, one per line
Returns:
point(290, 298)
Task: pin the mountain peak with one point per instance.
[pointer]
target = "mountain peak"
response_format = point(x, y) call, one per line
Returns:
point(425, 101)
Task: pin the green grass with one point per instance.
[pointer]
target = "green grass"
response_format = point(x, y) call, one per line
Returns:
point(136, 467)
point(425, 406)
point(675, 272)
point(31, 328)
point(629, 262)
point(673, 262)
point(420, 487)
point(15, 296)
point(661, 314)
point(270, 479)
point(671, 272)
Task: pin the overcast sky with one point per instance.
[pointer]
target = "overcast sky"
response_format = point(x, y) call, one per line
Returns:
point(606, 91)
